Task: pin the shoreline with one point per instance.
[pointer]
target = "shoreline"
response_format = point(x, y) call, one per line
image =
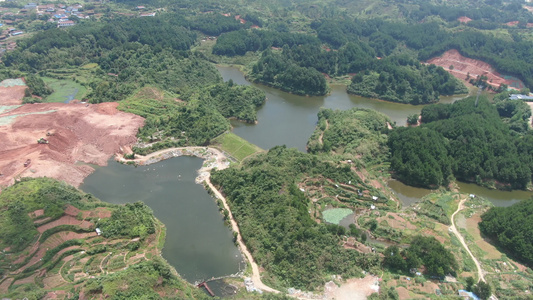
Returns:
point(213, 158)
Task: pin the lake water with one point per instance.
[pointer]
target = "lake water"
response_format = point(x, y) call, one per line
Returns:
point(288, 119)
point(198, 244)
point(409, 195)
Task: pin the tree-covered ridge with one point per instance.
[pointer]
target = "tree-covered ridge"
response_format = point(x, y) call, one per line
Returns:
point(235, 101)
point(128, 54)
point(140, 66)
point(171, 122)
point(355, 133)
point(428, 39)
point(403, 79)
point(423, 251)
point(419, 157)
point(274, 219)
point(276, 70)
point(471, 141)
point(239, 42)
point(512, 229)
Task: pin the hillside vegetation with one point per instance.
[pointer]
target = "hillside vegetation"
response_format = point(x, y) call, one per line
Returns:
point(360, 133)
point(172, 122)
point(472, 143)
point(510, 228)
point(50, 244)
point(274, 219)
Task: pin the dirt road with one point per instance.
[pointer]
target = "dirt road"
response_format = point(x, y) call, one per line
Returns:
point(256, 278)
point(214, 159)
point(461, 239)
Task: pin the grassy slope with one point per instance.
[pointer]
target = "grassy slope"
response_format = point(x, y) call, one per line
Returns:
point(63, 89)
point(235, 146)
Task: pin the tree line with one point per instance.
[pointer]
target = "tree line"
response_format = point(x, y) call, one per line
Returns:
point(470, 142)
point(511, 228)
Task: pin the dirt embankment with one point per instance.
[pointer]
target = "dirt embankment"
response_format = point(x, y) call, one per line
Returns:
point(76, 133)
point(463, 66)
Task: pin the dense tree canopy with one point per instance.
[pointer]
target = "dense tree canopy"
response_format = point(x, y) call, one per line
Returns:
point(423, 251)
point(275, 70)
point(473, 142)
point(235, 101)
point(402, 79)
point(419, 156)
point(512, 229)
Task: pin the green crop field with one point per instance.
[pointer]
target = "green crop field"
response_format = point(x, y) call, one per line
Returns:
point(236, 146)
point(64, 89)
point(335, 215)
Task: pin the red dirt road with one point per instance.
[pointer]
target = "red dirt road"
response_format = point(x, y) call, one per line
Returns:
point(463, 66)
point(79, 133)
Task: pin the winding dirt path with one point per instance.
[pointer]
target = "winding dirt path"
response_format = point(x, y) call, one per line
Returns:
point(461, 239)
point(256, 277)
point(216, 159)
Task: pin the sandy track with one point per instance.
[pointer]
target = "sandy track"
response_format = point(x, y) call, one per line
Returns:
point(256, 277)
point(80, 133)
point(216, 159)
point(462, 240)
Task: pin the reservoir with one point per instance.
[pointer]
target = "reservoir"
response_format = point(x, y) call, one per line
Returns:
point(287, 119)
point(198, 244)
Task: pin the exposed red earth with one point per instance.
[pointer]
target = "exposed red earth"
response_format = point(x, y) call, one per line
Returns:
point(463, 66)
point(78, 134)
point(464, 19)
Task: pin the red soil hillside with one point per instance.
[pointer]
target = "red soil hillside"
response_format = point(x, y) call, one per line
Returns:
point(462, 66)
point(75, 133)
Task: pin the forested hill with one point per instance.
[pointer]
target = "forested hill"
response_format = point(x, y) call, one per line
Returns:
point(416, 29)
point(511, 228)
point(357, 132)
point(129, 54)
point(472, 143)
point(405, 80)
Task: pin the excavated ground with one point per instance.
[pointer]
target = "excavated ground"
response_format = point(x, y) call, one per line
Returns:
point(78, 134)
point(462, 66)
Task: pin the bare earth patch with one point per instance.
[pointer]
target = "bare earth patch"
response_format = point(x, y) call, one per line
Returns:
point(76, 133)
point(353, 289)
point(462, 66)
point(473, 228)
point(12, 95)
